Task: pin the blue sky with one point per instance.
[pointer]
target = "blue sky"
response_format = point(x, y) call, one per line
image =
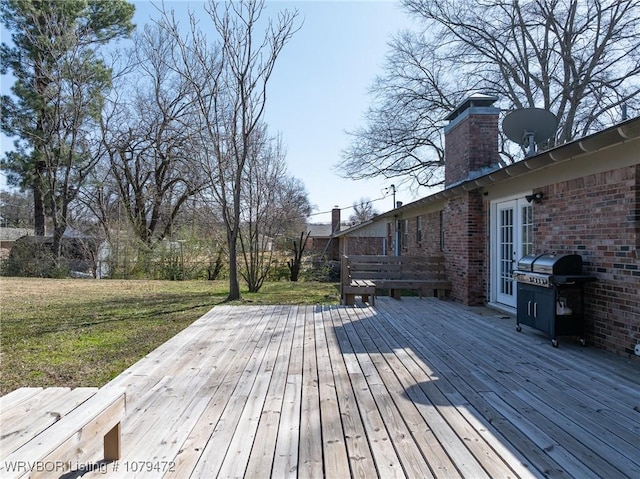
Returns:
point(319, 89)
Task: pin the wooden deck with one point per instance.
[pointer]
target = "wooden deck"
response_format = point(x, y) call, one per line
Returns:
point(413, 388)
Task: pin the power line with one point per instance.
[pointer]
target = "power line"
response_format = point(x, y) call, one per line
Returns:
point(350, 207)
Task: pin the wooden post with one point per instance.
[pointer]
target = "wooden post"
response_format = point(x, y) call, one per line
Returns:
point(111, 445)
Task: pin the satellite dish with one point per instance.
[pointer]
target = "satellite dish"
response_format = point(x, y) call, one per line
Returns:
point(529, 126)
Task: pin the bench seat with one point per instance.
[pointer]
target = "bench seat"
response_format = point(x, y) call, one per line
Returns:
point(364, 274)
point(363, 287)
point(426, 287)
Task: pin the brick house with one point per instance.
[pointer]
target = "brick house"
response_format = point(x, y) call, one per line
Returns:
point(322, 239)
point(331, 241)
point(369, 237)
point(483, 223)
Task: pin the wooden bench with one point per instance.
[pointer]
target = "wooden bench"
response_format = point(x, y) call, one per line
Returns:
point(45, 432)
point(424, 274)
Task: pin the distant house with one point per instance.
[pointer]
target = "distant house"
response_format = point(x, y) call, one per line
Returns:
point(369, 237)
point(485, 220)
point(322, 241)
point(8, 236)
point(332, 240)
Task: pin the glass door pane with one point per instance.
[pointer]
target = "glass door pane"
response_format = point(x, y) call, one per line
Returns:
point(506, 248)
point(526, 237)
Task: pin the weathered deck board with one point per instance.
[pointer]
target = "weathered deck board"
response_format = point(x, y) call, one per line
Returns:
point(285, 460)
point(417, 388)
point(266, 432)
point(334, 452)
point(40, 409)
point(361, 460)
point(385, 456)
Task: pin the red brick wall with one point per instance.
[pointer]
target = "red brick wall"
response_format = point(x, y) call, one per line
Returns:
point(470, 146)
point(356, 245)
point(465, 248)
point(323, 246)
point(430, 243)
point(598, 217)
point(462, 227)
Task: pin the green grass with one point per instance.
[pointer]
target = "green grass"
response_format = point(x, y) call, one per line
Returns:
point(84, 332)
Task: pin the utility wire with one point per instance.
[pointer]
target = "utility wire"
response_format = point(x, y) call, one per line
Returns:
point(349, 207)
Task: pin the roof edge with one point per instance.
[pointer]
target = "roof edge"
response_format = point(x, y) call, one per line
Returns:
point(623, 132)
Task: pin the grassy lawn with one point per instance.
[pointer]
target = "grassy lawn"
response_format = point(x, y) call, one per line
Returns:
point(85, 332)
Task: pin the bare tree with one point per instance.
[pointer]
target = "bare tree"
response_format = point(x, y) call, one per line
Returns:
point(148, 142)
point(580, 59)
point(292, 206)
point(273, 205)
point(16, 209)
point(228, 82)
point(100, 199)
point(297, 248)
point(362, 211)
point(259, 223)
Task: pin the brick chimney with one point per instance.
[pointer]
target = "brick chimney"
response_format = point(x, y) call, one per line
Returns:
point(471, 139)
point(335, 220)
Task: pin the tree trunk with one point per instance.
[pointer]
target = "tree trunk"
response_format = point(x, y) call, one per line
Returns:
point(234, 285)
point(38, 212)
point(56, 247)
point(296, 263)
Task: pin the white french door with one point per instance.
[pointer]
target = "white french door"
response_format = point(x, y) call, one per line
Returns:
point(513, 239)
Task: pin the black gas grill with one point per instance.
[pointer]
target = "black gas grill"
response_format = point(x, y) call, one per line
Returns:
point(551, 294)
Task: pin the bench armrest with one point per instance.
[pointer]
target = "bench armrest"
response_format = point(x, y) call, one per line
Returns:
point(99, 416)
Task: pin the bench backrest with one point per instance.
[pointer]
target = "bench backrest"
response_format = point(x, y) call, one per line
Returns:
point(392, 267)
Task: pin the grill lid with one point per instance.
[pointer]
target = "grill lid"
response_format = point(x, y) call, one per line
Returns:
point(558, 264)
point(526, 262)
